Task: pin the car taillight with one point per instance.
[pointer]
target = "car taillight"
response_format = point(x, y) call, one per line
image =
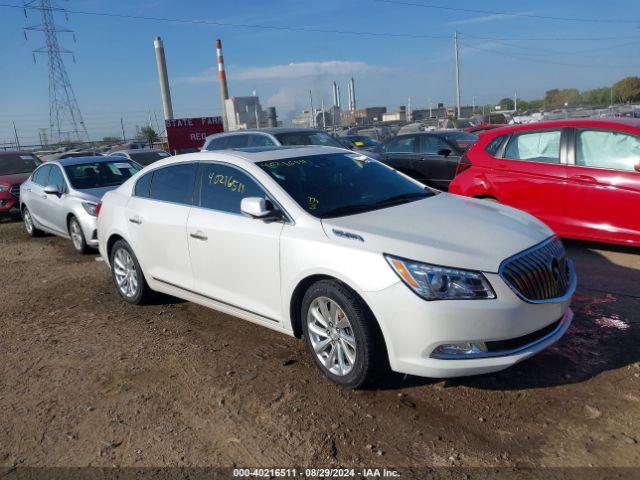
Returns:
point(98, 208)
point(463, 164)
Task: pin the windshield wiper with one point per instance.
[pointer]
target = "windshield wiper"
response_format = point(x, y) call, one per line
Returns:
point(395, 200)
point(348, 210)
point(402, 198)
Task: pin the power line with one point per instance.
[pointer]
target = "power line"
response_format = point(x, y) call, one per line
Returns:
point(313, 30)
point(506, 14)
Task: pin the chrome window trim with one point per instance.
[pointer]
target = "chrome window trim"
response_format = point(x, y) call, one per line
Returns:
point(573, 281)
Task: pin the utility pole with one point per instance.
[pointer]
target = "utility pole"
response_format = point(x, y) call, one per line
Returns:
point(455, 41)
point(473, 104)
point(312, 116)
point(124, 138)
point(15, 132)
point(515, 101)
point(324, 122)
point(430, 112)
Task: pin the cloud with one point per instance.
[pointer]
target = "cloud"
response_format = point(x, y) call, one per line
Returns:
point(291, 71)
point(488, 18)
point(307, 69)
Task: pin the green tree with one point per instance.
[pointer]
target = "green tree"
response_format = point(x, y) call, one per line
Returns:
point(558, 97)
point(627, 90)
point(150, 135)
point(506, 104)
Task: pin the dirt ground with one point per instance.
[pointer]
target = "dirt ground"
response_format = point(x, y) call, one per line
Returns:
point(88, 380)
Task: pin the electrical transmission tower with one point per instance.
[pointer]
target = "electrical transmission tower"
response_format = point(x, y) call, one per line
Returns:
point(65, 119)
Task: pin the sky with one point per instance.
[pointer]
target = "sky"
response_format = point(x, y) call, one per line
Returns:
point(401, 49)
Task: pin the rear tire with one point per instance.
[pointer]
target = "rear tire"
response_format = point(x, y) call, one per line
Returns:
point(29, 225)
point(342, 335)
point(77, 236)
point(127, 275)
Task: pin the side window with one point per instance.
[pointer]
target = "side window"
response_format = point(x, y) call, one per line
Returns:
point(219, 143)
point(535, 147)
point(431, 144)
point(41, 176)
point(607, 149)
point(260, 141)
point(237, 141)
point(175, 183)
point(56, 178)
point(402, 144)
point(494, 145)
point(224, 187)
point(142, 186)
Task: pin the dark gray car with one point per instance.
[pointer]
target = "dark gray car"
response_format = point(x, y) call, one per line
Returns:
point(270, 137)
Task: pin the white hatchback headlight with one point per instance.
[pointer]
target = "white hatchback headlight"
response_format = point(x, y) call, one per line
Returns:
point(90, 208)
point(433, 282)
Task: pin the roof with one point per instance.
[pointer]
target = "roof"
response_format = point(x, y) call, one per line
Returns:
point(65, 162)
point(252, 155)
point(140, 150)
point(611, 122)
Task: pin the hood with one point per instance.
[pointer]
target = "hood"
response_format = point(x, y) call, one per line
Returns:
point(94, 194)
point(15, 179)
point(447, 230)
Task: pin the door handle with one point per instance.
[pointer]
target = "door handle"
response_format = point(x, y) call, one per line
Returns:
point(584, 178)
point(135, 220)
point(199, 235)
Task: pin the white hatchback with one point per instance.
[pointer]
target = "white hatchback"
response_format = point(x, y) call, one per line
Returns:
point(373, 269)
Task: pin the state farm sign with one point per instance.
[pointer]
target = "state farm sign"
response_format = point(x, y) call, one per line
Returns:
point(191, 132)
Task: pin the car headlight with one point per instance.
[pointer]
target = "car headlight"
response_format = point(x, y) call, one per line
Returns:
point(90, 208)
point(433, 282)
point(4, 188)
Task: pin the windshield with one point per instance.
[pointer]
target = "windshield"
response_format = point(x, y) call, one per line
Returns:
point(362, 141)
point(100, 174)
point(342, 184)
point(307, 138)
point(15, 164)
point(147, 158)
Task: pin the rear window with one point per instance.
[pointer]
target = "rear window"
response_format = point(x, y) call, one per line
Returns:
point(100, 174)
point(147, 158)
point(15, 164)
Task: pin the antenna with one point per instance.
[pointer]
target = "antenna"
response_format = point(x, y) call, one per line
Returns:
point(65, 119)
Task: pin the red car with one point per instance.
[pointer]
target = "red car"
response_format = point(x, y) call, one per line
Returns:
point(15, 168)
point(580, 176)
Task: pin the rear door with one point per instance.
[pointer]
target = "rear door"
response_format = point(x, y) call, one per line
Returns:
point(432, 165)
point(157, 216)
point(400, 153)
point(35, 196)
point(604, 186)
point(531, 174)
point(55, 215)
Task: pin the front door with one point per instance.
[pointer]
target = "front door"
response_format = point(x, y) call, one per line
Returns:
point(436, 167)
point(235, 259)
point(604, 186)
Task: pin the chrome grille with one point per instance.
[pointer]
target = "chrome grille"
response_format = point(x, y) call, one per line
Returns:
point(15, 190)
point(542, 273)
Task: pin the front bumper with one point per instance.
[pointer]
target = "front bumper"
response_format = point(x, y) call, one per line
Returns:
point(413, 328)
point(9, 205)
point(89, 227)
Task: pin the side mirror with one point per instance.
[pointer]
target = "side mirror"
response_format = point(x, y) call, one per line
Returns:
point(51, 190)
point(257, 207)
point(445, 152)
point(637, 168)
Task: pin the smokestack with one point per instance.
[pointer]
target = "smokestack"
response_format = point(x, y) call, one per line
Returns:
point(222, 76)
point(164, 79)
point(336, 95)
point(352, 94)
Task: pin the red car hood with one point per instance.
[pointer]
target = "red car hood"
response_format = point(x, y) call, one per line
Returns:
point(15, 179)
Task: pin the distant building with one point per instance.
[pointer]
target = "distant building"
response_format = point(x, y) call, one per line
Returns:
point(363, 116)
point(244, 113)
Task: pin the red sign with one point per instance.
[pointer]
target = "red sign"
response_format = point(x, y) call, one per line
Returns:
point(191, 132)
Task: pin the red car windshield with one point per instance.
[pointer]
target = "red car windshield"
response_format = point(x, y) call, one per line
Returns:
point(14, 164)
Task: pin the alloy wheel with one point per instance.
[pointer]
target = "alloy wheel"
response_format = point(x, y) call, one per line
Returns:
point(125, 272)
point(76, 235)
point(28, 223)
point(331, 336)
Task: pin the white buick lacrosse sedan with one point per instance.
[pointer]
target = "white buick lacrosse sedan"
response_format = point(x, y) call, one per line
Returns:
point(373, 269)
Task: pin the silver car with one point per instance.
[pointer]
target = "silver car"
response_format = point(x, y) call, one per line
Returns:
point(61, 197)
point(142, 156)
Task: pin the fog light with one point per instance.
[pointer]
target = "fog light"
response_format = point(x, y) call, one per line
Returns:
point(3, 202)
point(459, 349)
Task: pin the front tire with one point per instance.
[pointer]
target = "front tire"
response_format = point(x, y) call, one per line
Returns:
point(127, 275)
point(341, 335)
point(77, 236)
point(29, 225)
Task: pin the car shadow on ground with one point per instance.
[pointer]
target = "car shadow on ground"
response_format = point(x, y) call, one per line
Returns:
point(604, 335)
